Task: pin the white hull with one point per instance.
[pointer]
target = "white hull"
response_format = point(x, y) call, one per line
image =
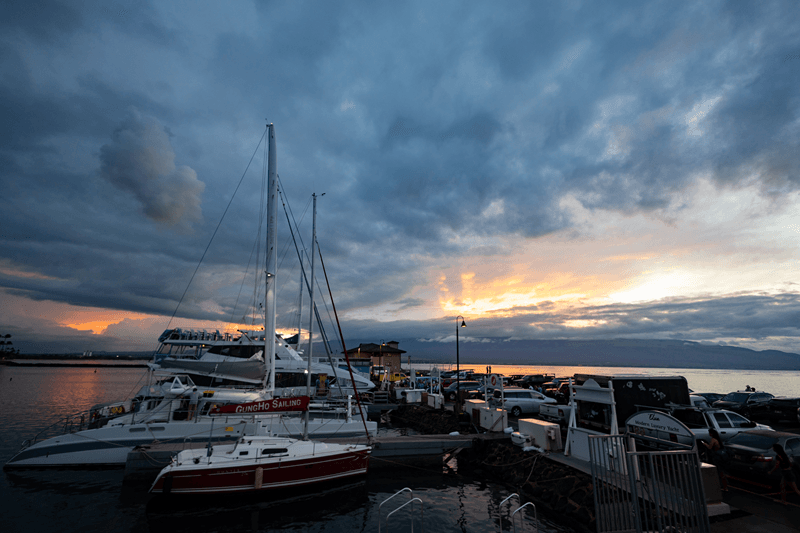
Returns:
point(109, 446)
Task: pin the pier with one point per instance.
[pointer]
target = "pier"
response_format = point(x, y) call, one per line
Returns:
point(145, 462)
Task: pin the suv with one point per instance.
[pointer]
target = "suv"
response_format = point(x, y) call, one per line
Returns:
point(518, 401)
point(743, 402)
point(778, 409)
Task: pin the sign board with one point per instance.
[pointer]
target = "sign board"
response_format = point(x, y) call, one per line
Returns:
point(275, 405)
point(495, 381)
point(660, 428)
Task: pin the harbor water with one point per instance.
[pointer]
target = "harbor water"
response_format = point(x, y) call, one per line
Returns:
point(34, 398)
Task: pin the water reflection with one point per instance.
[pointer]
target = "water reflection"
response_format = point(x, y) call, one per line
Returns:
point(294, 509)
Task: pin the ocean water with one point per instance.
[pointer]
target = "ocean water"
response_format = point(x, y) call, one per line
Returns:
point(99, 500)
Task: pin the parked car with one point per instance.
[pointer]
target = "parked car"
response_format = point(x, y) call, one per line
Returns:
point(727, 423)
point(710, 397)
point(778, 409)
point(471, 387)
point(533, 379)
point(742, 402)
point(751, 453)
point(698, 401)
point(519, 401)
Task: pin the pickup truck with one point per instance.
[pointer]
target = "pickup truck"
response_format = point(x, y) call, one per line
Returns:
point(727, 423)
point(555, 413)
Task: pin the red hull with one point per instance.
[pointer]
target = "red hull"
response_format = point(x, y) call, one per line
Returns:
point(244, 477)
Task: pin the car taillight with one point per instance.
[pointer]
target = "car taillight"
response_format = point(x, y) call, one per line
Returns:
point(763, 459)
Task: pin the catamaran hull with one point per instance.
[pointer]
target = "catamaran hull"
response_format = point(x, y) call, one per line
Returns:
point(109, 446)
point(258, 476)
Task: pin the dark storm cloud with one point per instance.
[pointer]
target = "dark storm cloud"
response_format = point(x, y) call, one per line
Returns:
point(45, 20)
point(422, 122)
point(140, 160)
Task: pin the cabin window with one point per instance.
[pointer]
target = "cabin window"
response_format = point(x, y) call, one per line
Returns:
point(244, 453)
point(270, 451)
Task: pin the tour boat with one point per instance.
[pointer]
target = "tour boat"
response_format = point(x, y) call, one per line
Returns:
point(214, 358)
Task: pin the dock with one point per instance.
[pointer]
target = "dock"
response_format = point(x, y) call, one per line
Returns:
point(145, 462)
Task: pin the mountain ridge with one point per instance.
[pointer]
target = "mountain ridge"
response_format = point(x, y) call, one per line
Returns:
point(614, 352)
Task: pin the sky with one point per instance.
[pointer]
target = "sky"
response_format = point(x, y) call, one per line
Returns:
point(546, 171)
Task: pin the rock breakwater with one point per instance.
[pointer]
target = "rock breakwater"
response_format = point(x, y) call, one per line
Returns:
point(555, 489)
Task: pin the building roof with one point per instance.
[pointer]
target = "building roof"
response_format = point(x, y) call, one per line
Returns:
point(374, 349)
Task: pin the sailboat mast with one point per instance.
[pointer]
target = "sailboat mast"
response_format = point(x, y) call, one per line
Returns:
point(271, 265)
point(311, 305)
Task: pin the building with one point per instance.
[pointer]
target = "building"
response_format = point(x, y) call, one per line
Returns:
point(387, 355)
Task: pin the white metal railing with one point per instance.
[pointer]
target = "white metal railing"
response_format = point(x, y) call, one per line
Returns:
point(411, 502)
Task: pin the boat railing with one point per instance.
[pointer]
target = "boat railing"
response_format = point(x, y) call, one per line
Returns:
point(67, 424)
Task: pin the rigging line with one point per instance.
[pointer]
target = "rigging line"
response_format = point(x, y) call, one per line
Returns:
point(315, 308)
point(290, 218)
point(341, 335)
point(286, 205)
point(244, 278)
point(285, 252)
point(305, 279)
point(216, 229)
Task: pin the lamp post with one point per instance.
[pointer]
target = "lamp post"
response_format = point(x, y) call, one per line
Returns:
point(458, 364)
point(380, 358)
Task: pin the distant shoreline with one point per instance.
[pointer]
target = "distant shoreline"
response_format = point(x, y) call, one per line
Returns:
point(80, 363)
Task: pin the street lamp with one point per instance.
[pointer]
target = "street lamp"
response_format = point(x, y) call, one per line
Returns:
point(458, 362)
point(380, 358)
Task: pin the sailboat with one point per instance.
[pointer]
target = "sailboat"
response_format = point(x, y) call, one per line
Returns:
point(106, 434)
point(264, 462)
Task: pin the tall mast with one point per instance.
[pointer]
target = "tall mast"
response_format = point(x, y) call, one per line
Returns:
point(311, 307)
point(271, 265)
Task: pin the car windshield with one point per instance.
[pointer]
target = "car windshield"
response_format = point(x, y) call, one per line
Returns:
point(753, 440)
point(738, 397)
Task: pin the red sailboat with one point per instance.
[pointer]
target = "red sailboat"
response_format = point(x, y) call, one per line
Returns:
point(259, 463)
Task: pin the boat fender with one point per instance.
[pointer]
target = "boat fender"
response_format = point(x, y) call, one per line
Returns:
point(259, 481)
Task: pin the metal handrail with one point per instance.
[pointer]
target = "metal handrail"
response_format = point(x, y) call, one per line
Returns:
point(535, 516)
point(389, 498)
point(421, 515)
point(500, 518)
